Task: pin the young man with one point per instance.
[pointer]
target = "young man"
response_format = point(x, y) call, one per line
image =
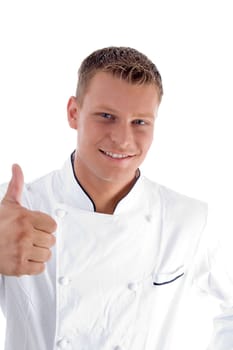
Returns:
point(123, 258)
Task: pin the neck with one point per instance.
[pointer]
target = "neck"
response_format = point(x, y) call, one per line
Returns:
point(105, 194)
point(107, 197)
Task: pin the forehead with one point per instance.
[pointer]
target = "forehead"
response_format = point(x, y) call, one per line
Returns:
point(105, 88)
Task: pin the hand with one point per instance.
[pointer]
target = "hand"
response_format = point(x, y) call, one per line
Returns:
point(25, 235)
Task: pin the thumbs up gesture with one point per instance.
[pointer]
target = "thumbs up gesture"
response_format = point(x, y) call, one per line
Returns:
point(25, 236)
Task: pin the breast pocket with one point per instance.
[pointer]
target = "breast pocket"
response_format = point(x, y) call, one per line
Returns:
point(163, 278)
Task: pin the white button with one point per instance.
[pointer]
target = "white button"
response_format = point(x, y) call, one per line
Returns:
point(133, 286)
point(64, 281)
point(148, 218)
point(60, 212)
point(63, 343)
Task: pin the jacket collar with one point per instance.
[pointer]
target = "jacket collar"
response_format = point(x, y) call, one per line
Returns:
point(74, 194)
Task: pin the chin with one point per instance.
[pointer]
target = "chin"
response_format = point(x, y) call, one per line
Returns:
point(118, 178)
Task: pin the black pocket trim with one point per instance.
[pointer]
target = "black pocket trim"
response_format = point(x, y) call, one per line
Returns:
point(160, 284)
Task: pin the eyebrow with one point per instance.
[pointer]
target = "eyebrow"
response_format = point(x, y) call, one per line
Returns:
point(138, 115)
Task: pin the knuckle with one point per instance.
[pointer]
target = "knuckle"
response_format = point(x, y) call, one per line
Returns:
point(52, 240)
point(19, 269)
point(22, 215)
point(22, 247)
point(54, 226)
point(39, 268)
point(36, 268)
point(25, 233)
point(48, 255)
point(24, 225)
point(20, 260)
point(24, 239)
point(19, 253)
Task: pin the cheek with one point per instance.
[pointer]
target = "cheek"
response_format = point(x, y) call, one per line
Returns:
point(146, 140)
point(85, 131)
point(89, 135)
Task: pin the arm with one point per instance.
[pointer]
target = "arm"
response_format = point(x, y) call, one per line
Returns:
point(214, 276)
point(25, 235)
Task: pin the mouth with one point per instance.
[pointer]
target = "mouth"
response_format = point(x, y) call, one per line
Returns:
point(116, 155)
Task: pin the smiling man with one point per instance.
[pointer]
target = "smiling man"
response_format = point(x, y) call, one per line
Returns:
point(96, 256)
point(115, 122)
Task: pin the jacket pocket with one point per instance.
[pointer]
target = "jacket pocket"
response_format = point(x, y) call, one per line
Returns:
point(160, 278)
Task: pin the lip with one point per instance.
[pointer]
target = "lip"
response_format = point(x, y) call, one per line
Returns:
point(116, 156)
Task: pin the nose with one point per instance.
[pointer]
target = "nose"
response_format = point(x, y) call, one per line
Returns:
point(121, 135)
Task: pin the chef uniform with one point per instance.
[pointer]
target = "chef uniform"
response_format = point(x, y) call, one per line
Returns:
point(114, 282)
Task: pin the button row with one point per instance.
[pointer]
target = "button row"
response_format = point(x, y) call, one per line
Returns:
point(133, 286)
point(64, 344)
point(65, 281)
point(60, 213)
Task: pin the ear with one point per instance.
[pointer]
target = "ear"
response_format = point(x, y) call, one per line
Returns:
point(73, 112)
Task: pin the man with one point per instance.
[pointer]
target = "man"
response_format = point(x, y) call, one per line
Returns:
point(123, 258)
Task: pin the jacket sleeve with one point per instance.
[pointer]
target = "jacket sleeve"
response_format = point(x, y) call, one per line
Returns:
point(213, 275)
point(2, 289)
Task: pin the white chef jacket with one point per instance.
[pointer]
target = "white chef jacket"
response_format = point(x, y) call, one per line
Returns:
point(114, 282)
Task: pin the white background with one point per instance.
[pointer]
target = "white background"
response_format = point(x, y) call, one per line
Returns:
point(42, 44)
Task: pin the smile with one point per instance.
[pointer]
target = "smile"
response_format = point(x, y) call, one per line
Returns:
point(115, 155)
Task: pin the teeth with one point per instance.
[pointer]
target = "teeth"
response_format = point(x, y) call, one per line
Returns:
point(115, 155)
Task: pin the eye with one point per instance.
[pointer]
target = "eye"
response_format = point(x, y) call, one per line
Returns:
point(139, 122)
point(106, 115)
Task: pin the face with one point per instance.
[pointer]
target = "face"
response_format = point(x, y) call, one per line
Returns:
point(115, 125)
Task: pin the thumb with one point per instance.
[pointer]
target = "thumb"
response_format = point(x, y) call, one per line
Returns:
point(15, 187)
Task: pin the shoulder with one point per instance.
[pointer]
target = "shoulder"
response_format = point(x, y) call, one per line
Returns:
point(176, 206)
point(43, 181)
point(41, 191)
point(35, 191)
point(183, 204)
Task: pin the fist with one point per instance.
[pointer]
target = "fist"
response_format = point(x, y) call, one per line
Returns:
point(25, 236)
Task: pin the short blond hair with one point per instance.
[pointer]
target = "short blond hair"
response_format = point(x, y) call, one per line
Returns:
point(123, 62)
